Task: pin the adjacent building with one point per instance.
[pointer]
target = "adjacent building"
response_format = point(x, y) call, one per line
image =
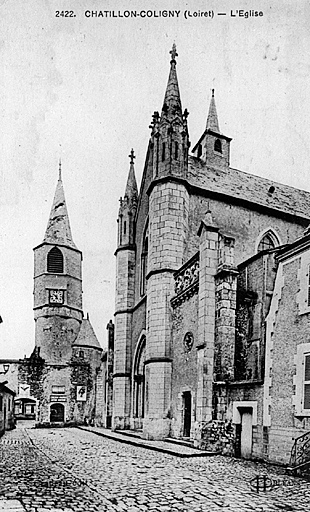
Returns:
point(7, 419)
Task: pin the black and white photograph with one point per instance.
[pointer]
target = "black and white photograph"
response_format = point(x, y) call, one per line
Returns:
point(154, 256)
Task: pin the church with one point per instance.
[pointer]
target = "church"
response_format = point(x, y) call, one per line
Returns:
point(198, 254)
point(63, 381)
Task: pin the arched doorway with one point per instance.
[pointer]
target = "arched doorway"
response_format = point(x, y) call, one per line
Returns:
point(139, 383)
point(57, 413)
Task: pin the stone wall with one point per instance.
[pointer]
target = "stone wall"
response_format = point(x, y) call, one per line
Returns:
point(185, 368)
point(215, 436)
point(45, 379)
point(245, 225)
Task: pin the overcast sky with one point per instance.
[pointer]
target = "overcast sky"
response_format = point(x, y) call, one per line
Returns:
point(84, 89)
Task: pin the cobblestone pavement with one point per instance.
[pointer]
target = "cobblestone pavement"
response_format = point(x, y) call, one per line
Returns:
point(73, 470)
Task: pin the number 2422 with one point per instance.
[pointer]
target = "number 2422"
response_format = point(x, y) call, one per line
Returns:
point(65, 14)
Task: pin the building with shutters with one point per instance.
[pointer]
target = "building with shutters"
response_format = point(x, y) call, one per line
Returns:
point(287, 371)
point(200, 247)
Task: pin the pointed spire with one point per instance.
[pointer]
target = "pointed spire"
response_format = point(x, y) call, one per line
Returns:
point(212, 121)
point(58, 229)
point(172, 99)
point(131, 191)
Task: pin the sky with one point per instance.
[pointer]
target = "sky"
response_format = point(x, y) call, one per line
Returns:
point(83, 89)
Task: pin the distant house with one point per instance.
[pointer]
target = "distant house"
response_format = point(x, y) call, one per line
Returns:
point(7, 419)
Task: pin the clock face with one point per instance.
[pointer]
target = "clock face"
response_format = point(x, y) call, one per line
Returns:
point(56, 296)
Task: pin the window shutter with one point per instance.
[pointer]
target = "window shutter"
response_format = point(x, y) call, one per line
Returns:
point(307, 396)
point(55, 261)
point(307, 368)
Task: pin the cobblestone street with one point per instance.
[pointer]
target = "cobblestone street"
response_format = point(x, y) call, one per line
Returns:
point(73, 470)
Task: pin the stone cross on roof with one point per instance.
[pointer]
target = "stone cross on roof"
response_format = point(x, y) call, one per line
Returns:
point(132, 156)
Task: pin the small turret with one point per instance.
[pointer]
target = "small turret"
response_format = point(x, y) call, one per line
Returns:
point(128, 207)
point(169, 133)
point(213, 147)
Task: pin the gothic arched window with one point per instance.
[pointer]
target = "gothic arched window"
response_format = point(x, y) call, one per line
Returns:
point(144, 254)
point(55, 261)
point(139, 380)
point(268, 242)
point(218, 146)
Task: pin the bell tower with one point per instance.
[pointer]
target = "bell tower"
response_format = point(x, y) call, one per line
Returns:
point(213, 148)
point(57, 285)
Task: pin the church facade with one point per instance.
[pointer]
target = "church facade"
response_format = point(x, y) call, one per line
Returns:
point(196, 265)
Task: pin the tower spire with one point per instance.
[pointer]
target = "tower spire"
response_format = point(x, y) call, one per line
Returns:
point(172, 100)
point(58, 229)
point(212, 121)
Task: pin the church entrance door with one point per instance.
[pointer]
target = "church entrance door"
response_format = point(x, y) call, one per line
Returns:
point(187, 408)
point(57, 414)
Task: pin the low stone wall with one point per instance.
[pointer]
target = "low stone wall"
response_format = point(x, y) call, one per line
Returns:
point(215, 436)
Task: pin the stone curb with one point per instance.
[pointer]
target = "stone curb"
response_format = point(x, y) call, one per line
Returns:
point(156, 446)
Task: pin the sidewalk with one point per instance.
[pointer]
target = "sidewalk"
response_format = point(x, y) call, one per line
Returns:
point(169, 446)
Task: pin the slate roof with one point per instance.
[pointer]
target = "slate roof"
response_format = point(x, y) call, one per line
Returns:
point(87, 336)
point(244, 186)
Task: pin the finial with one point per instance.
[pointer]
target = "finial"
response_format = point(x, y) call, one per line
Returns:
point(132, 156)
point(59, 177)
point(212, 93)
point(173, 52)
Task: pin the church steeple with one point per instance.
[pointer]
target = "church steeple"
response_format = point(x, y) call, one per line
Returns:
point(213, 147)
point(58, 229)
point(169, 133)
point(212, 121)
